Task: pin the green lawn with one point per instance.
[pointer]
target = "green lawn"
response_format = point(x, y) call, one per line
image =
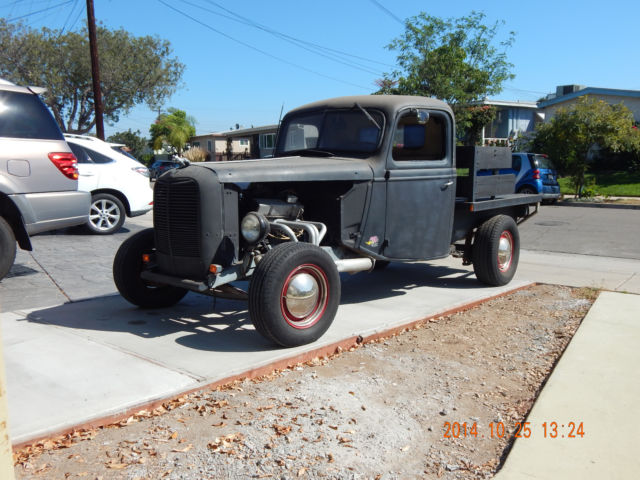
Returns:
point(616, 184)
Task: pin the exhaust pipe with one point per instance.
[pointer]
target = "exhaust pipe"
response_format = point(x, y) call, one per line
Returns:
point(353, 265)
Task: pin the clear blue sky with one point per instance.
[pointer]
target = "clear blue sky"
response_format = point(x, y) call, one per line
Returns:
point(236, 73)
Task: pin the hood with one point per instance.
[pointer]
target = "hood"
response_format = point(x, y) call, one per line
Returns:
point(285, 169)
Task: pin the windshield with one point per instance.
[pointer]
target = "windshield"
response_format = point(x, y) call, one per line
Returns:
point(331, 132)
point(542, 161)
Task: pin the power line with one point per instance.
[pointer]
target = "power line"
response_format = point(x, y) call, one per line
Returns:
point(64, 26)
point(39, 11)
point(219, 32)
point(387, 11)
point(290, 38)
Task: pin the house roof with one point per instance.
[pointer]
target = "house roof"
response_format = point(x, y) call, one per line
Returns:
point(612, 92)
point(507, 103)
point(243, 132)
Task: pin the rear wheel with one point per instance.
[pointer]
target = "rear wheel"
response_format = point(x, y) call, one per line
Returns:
point(294, 294)
point(496, 250)
point(106, 215)
point(127, 266)
point(7, 247)
point(527, 191)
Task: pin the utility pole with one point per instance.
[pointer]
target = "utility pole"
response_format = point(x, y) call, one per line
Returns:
point(95, 71)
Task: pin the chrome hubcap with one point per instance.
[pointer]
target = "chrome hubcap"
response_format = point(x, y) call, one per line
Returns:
point(305, 295)
point(302, 295)
point(104, 214)
point(505, 251)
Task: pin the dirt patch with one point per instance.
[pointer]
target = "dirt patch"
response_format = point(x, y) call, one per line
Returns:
point(378, 411)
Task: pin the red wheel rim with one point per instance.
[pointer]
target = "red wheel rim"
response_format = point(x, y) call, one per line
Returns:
point(505, 251)
point(304, 296)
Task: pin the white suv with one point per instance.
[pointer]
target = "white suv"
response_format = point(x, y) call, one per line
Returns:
point(118, 183)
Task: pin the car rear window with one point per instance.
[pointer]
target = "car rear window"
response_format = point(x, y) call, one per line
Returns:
point(23, 115)
point(541, 161)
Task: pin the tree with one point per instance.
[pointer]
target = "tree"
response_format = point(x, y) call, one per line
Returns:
point(133, 140)
point(585, 127)
point(174, 129)
point(455, 60)
point(134, 70)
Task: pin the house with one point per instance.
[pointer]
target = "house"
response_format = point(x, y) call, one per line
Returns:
point(567, 95)
point(257, 142)
point(512, 120)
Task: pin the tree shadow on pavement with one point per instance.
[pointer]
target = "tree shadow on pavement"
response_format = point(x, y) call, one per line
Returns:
point(193, 323)
point(399, 278)
point(207, 324)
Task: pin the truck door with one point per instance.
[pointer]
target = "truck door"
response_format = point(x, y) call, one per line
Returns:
point(420, 186)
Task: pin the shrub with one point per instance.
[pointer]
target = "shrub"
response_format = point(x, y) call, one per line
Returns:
point(195, 154)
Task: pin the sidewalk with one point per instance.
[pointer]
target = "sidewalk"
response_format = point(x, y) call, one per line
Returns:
point(595, 384)
point(629, 203)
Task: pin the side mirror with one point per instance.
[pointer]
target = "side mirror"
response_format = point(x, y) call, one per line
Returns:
point(423, 116)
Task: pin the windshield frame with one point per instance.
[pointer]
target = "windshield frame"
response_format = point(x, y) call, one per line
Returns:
point(280, 150)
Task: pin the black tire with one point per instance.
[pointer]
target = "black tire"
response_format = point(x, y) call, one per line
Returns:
point(269, 309)
point(7, 247)
point(493, 263)
point(106, 214)
point(381, 265)
point(127, 266)
point(527, 190)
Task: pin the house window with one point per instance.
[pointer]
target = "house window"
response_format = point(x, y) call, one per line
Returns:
point(208, 145)
point(267, 140)
point(196, 144)
point(244, 142)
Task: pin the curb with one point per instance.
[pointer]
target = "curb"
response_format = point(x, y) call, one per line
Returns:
point(620, 206)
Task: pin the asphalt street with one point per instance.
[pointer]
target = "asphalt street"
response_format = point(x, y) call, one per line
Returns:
point(71, 265)
point(605, 232)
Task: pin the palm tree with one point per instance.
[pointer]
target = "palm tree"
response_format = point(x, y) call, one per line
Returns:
point(174, 128)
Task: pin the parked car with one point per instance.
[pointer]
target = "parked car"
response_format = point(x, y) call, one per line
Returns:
point(160, 166)
point(38, 173)
point(535, 174)
point(119, 184)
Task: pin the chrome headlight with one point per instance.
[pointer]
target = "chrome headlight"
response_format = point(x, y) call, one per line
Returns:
point(254, 227)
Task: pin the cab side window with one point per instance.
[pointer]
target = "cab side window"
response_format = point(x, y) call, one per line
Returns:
point(419, 140)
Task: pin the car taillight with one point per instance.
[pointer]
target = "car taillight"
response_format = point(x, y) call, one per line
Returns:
point(65, 162)
point(536, 174)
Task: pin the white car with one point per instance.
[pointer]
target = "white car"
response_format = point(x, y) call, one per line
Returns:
point(118, 183)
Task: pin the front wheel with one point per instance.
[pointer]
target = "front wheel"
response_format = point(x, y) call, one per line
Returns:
point(127, 266)
point(496, 251)
point(106, 215)
point(294, 294)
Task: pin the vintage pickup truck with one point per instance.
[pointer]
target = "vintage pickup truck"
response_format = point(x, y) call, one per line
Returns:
point(355, 183)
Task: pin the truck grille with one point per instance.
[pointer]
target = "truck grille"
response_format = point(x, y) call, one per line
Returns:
point(176, 217)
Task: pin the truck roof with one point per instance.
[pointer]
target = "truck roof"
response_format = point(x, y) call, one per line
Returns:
point(388, 103)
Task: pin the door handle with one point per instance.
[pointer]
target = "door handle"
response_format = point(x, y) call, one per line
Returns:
point(446, 185)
